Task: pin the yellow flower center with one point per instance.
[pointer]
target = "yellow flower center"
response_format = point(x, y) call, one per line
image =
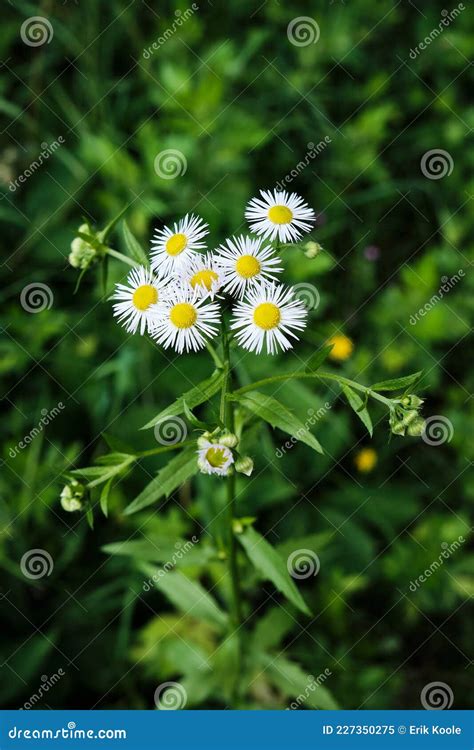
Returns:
point(280, 214)
point(266, 316)
point(176, 244)
point(144, 296)
point(204, 278)
point(342, 347)
point(366, 460)
point(247, 266)
point(183, 315)
point(216, 457)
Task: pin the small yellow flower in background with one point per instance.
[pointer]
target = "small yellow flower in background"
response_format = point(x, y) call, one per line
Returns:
point(366, 460)
point(342, 347)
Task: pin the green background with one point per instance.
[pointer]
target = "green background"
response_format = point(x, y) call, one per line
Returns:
point(241, 102)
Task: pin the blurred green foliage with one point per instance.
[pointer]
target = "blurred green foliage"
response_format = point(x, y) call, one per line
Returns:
point(241, 102)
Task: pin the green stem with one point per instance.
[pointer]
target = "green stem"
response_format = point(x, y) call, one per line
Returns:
point(324, 376)
point(227, 417)
point(164, 449)
point(120, 256)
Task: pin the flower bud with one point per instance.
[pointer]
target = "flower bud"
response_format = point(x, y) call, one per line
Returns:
point(71, 496)
point(416, 428)
point(312, 249)
point(398, 428)
point(228, 439)
point(82, 253)
point(244, 465)
point(409, 417)
point(412, 401)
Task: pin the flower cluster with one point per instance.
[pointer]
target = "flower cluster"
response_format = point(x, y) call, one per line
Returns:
point(176, 300)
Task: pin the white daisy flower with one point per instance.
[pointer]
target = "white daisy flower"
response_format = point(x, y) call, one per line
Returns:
point(186, 321)
point(246, 263)
point(214, 458)
point(280, 214)
point(173, 248)
point(205, 274)
point(268, 316)
point(139, 300)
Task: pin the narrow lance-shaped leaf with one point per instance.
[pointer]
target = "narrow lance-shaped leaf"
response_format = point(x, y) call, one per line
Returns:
point(195, 396)
point(134, 248)
point(187, 595)
point(397, 384)
point(358, 406)
point(318, 358)
point(168, 479)
point(294, 682)
point(273, 412)
point(271, 566)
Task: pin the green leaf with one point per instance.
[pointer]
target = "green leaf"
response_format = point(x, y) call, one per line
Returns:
point(271, 566)
point(108, 228)
point(187, 595)
point(318, 358)
point(273, 412)
point(168, 479)
point(178, 552)
point(197, 395)
point(358, 406)
point(397, 384)
point(134, 248)
point(292, 680)
point(104, 497)
point(194, 420)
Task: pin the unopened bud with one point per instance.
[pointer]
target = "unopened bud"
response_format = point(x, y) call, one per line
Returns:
point(416, 428)
point(82, 253)
point(312, 249)
point(72, 495)
point(228, 439)
point(411, 401)
point(244, 465)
